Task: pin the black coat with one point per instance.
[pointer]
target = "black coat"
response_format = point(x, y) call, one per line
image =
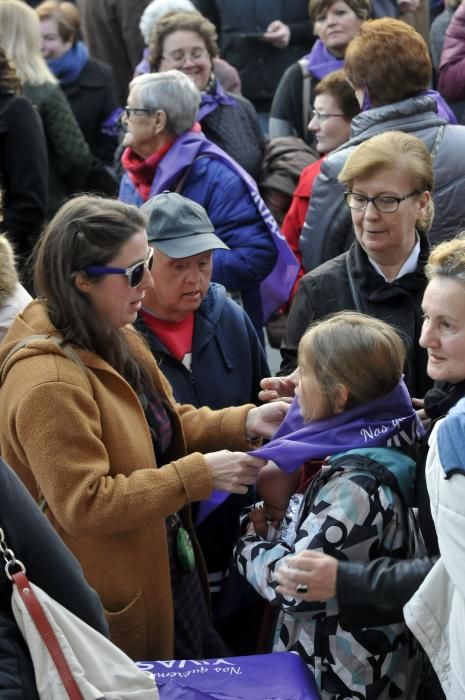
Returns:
point(327, 290)
point(23, 172)
point(260, 64)
point(50, 565)
point(236, 130)
point(93, 97)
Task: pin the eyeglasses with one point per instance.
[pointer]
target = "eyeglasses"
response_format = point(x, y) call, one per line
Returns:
point(135, 273)
point(179, 57)
point(137, 111)
point(322, 117)
point(383, 203)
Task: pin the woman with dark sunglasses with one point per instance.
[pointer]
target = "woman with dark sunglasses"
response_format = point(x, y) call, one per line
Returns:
point(92, 428)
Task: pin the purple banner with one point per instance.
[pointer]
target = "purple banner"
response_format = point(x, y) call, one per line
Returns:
point(278, 676)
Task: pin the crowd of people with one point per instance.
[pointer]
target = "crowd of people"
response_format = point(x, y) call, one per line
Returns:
point(182, 184)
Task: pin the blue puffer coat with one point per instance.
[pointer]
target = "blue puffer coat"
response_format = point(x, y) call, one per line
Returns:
point(237, 221)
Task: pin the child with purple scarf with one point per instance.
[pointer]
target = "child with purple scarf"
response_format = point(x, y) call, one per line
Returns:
point(353, 411)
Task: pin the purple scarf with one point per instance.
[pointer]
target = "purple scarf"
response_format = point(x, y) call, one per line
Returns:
point(274, 289)
point(389, 421)
point(212, 99)
point(442, 107)
point(319, 62)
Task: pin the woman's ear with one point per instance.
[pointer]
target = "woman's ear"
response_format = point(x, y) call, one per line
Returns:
point(82, 282)
point(160, 121)
point(341, 396)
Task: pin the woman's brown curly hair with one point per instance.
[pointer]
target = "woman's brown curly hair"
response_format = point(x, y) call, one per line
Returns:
point(184, 21)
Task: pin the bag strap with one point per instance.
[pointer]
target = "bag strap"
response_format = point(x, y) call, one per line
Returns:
point(306, 88)
point(38, 616)
point(45, 630)
point(353, 289)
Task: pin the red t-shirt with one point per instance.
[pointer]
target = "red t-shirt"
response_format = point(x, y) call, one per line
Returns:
point(176, 336)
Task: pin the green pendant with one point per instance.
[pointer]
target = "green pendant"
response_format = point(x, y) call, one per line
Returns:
point(185, 551)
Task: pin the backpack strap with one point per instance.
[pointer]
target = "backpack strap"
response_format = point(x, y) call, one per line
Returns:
point(306, 89)
point(414, 540)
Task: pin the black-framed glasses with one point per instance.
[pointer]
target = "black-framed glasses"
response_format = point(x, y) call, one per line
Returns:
point(137, 111)
point(384, 203)
point(322, 116)
point(135, 273)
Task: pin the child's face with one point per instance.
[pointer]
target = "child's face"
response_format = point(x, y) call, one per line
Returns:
point(313, 405)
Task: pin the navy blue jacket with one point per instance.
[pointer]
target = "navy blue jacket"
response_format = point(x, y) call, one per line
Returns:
point(228, 360)
point(228, 363)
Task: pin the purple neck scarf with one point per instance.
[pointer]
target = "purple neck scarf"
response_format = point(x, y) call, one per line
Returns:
point(274, 289)
point(389, 421)
point(442, 107)
point(319, 62)
point(212, 99)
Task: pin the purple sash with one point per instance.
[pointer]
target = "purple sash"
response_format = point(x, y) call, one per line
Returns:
point(319, 62)
point(389, 421)
point(212, 99)
point(276, 287)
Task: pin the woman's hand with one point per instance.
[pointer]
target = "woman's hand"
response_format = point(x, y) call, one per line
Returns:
point(263, 422)
point(315, 571)
point(279, 387)
point(233, 471)
point(262, 516)
point(278, 34)
point(418, 405)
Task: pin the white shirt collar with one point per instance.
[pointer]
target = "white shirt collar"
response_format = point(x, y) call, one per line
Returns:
point(410, 265)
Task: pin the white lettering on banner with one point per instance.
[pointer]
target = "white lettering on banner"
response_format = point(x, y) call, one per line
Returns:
point(174, 667)
point(370, 432)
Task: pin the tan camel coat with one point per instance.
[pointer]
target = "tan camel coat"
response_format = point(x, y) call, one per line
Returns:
point(79, 439)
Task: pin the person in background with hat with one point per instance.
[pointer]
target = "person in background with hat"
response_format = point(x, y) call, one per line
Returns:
point(203, 341)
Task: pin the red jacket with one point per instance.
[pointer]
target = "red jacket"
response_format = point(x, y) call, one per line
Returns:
point(297, 212)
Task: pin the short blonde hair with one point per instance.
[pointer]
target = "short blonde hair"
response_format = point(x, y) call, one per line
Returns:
point(359, 352)
point(448, 260)
point(20, 38)
point(394, 149)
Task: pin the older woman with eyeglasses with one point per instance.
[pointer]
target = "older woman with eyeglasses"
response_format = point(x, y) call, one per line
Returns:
point(186, 41)
point(389, 179)
point(165, 151)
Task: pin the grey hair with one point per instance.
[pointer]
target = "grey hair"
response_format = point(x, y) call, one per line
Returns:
point(174, 93)
point(158, 9)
